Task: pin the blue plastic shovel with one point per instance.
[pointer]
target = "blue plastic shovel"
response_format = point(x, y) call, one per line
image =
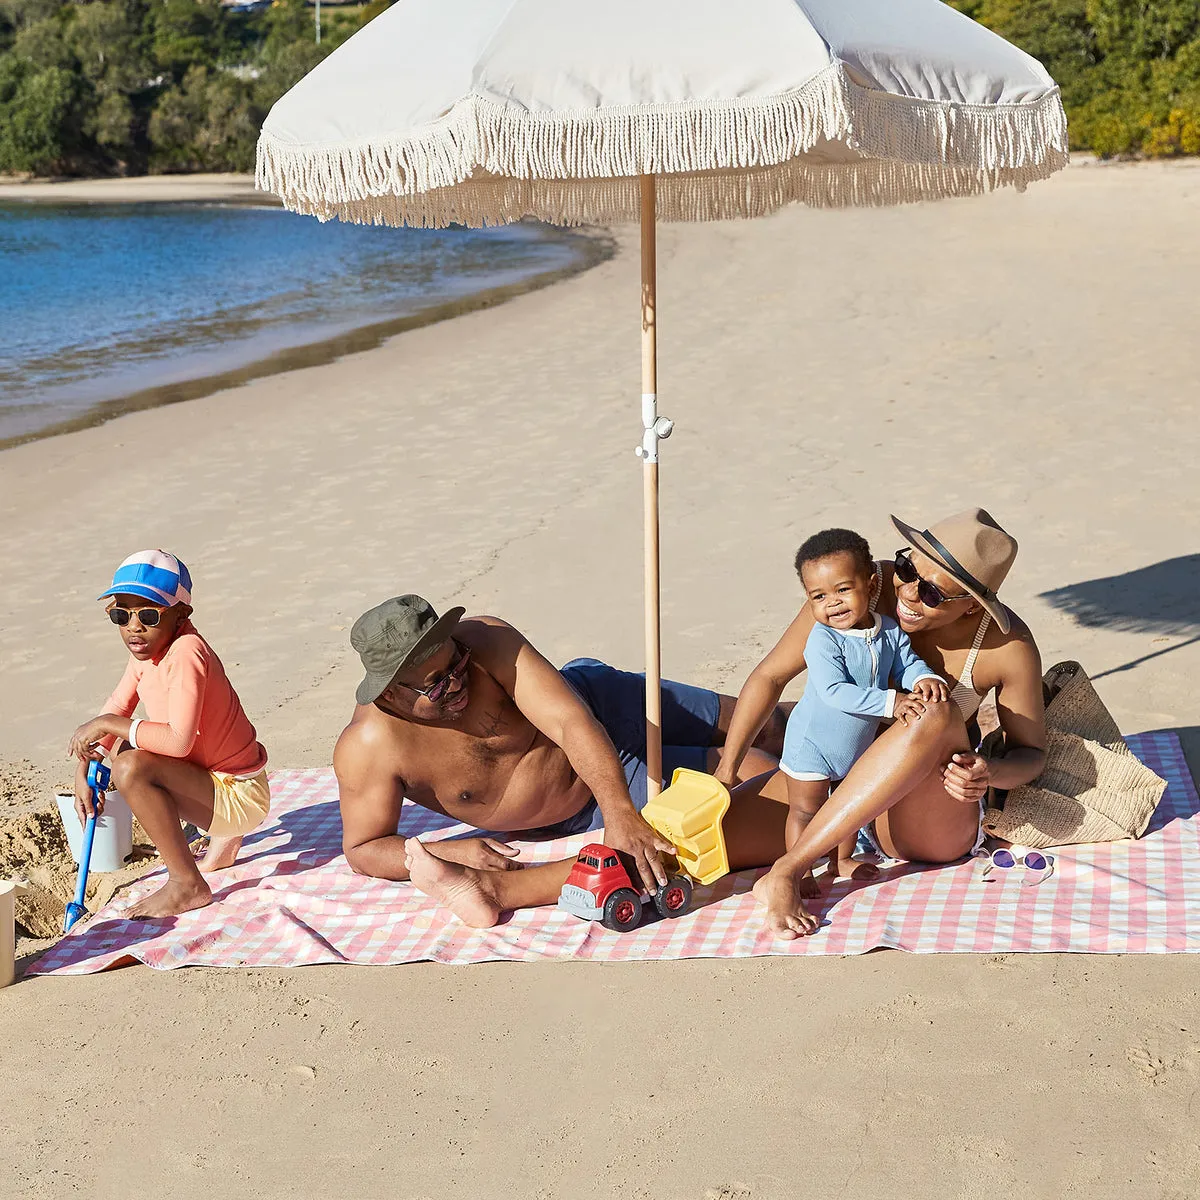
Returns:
point(98, 777)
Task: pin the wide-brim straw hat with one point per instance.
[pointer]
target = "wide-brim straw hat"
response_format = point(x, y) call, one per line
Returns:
point(973, 548)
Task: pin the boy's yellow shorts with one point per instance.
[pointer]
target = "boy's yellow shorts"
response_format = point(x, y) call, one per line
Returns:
point(240, 804)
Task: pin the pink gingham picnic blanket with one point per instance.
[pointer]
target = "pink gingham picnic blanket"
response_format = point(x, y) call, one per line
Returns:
point(291, 900)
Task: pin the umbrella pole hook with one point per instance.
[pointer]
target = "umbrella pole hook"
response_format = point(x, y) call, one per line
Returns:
point(654, 429)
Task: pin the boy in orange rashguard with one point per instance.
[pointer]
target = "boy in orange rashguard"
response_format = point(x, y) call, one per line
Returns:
point(195, 756)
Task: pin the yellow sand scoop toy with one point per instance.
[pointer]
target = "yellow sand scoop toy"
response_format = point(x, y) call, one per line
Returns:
point(688, 814)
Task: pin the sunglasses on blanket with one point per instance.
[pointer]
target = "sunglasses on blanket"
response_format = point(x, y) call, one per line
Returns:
point(929, 593)
point(149, 617)
point(1005, 859)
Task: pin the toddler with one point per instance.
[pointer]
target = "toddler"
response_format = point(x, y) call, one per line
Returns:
point(853, 657)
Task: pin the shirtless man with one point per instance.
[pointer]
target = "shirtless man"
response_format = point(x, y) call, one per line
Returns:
point(466, 718)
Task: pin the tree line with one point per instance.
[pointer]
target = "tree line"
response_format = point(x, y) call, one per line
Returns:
point(1129, 69)
point(135, 86)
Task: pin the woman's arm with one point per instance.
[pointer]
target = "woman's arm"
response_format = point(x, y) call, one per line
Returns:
point(1022, 716)
point(761, 693)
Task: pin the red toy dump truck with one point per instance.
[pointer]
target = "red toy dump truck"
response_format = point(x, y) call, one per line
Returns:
point(688, 814)
point(599, 888)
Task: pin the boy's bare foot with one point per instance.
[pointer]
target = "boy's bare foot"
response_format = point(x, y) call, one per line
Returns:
point(780, 892)
point(170, 900)
point(221, 853)
point(452, 885)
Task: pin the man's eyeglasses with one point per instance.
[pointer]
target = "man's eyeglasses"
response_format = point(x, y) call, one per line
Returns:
point(436, 691)
point(149, 617)
point(930, 594)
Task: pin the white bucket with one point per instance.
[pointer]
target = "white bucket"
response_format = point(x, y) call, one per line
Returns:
point(113, 842)
point(8, 890)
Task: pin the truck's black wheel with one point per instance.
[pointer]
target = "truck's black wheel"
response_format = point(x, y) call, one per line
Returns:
point(622, 911)
point(674, 896)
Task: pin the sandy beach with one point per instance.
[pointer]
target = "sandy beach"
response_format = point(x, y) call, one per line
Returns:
point(1034, 354)
point(140, 189)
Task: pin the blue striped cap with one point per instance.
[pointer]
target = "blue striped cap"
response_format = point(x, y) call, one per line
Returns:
point(153, 575)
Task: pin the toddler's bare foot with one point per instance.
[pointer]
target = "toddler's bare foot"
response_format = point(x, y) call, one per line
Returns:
point(452, 885)
point(852, 868)
point(173, 898)
point(222, 852)
point(780, 892)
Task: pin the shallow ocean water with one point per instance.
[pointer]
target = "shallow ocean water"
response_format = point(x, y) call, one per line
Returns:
point(98, 302)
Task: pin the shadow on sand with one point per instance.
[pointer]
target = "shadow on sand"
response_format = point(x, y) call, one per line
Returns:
point(1159, 599)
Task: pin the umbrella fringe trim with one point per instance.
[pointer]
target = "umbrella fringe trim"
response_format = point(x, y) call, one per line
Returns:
point(481, 142)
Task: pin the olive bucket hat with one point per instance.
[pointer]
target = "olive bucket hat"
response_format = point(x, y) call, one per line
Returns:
point(401, 632)
point(973, 548)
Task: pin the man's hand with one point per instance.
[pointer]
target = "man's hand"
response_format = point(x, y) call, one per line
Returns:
point(932, 691)
point(908, 709)
point(967, 777)
point(631, 834)
point(83, 741)
point(484, 854)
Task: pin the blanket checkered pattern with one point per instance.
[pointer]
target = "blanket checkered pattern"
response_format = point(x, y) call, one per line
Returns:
point(291, 900)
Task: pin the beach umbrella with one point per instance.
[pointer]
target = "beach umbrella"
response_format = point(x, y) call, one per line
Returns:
point(481, 112)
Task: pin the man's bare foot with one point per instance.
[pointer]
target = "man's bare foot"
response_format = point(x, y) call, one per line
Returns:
point(221, 853)
point(780, 892)
point(452, 885)
point(173, 898)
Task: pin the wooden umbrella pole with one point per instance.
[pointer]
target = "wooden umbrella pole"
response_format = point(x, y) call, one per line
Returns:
point(654, 428)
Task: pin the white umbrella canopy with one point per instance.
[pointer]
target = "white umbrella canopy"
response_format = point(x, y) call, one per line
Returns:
point(481, 112)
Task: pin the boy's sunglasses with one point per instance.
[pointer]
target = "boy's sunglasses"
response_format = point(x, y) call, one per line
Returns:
point(438, 688)
point(149, 617)
point(929, 593)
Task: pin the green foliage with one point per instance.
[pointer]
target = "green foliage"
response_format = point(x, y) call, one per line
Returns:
point(103, 86)
point(205, 123)
point(36, 133)
point(1129, 69)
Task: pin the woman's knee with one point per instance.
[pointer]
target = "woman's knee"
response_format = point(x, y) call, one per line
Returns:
point(941, 722)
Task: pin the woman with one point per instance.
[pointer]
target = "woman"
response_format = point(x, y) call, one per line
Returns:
point(918, 791)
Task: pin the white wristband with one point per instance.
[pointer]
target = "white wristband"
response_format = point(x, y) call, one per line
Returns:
point(133, 728)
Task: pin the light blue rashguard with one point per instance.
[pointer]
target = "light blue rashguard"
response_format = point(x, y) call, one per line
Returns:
point(847, 695)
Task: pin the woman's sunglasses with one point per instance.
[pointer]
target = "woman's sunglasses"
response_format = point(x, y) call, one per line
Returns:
point(438, 688)
point(149, 617)
point(1040, 866)
point(929, 593)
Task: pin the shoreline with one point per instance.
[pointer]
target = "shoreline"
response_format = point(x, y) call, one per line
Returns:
point(139, 189)
point(592, 247)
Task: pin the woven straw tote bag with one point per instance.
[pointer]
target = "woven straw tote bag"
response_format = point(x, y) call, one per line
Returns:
point(1092, 788)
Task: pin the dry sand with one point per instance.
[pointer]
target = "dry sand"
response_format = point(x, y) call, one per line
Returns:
point(1035, 354)
point(159, 189)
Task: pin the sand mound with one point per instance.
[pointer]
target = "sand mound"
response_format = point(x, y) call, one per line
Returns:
point(33, 847)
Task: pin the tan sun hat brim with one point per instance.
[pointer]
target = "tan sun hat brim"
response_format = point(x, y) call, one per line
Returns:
point(991, 604)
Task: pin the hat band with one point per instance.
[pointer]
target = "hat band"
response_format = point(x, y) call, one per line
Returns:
point(958, 569)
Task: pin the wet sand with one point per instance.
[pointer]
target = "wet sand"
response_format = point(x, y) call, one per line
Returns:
point(1034, 354)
